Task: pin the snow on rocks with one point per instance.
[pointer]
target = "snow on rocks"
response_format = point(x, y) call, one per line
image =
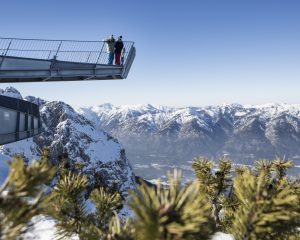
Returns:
point(11, 92)
point(65, 131)
point(222, 236)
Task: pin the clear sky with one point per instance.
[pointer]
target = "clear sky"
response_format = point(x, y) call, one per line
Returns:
point(189, 52)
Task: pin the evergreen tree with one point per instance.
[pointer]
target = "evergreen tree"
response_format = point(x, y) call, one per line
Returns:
point(119, 230)
point(68, 205)
point(263, 212)
point(23, 195)
point(280, 167)
point(68, 208)
point(172, 212)
point(262, 203)
point(214, 184)
point(106, 203)
point(258, 203)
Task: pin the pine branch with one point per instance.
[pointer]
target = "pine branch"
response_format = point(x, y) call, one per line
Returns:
point(106, 204)
point(280, 167)
point(214, 184)
point(68, 206)
point(119, 230)
point(171, 213)
point(22, 196)
point(263, 213)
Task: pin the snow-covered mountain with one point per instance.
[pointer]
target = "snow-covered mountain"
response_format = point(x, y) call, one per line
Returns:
point(177, 135)
point(67, 133)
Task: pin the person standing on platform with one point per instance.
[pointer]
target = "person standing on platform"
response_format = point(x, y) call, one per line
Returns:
point(118, 50)
point(110, 45)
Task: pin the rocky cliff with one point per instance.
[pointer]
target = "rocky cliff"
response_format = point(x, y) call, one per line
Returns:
point(67, 133)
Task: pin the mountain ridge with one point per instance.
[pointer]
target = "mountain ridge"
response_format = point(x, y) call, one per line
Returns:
point(244, 132)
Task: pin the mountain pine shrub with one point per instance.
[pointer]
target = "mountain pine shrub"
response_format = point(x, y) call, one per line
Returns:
point(173, 212)
point(260, 203)
point(23, 195)
point(251, 203)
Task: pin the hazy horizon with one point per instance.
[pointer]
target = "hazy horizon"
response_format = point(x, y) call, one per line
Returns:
point(161, 105)
point(200, 106)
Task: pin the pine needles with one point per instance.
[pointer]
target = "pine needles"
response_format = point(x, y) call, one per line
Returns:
point(23, 195)
point(175, 212)
point(249, 203)
point(260, 203)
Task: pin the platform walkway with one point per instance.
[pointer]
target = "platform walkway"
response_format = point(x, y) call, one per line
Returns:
point(37, 60)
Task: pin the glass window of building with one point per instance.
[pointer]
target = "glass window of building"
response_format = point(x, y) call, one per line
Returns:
point(8, 121)
point(6, 116)
point(35, 123)
point(29, 122)
point(22, 122)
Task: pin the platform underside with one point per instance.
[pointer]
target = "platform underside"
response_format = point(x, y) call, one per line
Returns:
point(56, 79)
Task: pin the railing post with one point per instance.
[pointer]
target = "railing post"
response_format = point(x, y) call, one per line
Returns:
point(55, 56)
point(88, 58)
point(100, 52)
point(8, 47)
point(5, 53)
point(49, 54)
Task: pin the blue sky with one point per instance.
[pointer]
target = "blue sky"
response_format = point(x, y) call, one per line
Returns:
point(189, 53)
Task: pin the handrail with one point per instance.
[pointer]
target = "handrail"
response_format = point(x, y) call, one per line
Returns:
point(55, 40)
point(44, 50)
point(62, 50)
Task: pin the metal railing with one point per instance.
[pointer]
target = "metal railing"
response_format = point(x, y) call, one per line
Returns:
point(93, 52)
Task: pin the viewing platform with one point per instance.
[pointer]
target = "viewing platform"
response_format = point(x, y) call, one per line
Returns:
point(39, 60)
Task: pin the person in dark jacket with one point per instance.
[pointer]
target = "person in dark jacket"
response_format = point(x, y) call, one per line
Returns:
point(118, 50)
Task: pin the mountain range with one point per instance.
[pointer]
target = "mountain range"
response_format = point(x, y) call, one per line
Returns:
point(174, 136)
